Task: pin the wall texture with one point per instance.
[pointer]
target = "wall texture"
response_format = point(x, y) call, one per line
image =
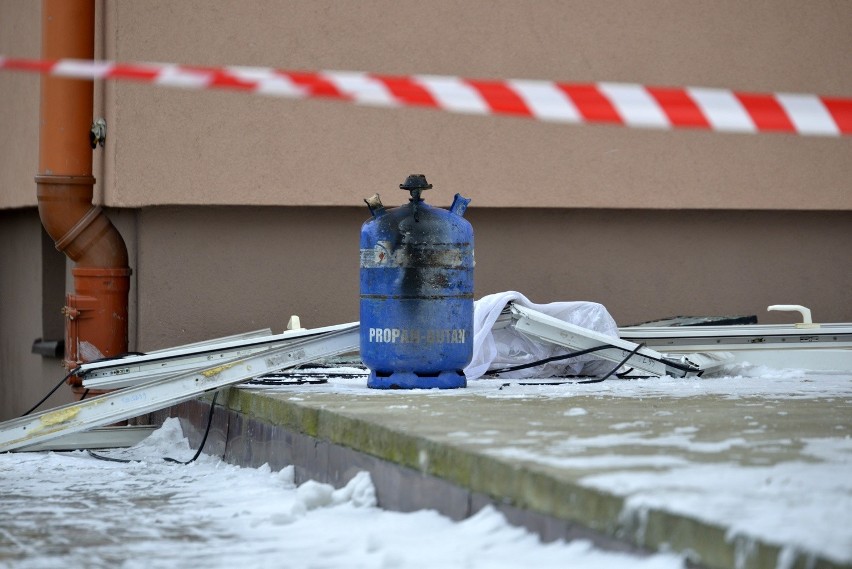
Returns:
point(207, 272)
point(24, 377)
point(19, 35)
point(239, 211)
point(167, 146)
point(173, 147)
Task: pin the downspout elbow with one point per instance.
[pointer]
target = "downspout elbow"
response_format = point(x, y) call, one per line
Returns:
point(80, 229)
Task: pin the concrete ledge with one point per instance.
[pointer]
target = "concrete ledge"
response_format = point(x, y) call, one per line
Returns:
point(415, 464)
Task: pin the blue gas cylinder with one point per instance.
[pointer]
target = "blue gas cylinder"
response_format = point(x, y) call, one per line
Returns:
point(416, 292)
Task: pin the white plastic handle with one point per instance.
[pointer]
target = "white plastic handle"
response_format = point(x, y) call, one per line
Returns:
point(805, 312)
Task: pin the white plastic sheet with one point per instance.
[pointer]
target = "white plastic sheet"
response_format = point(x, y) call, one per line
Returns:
point(495, 349)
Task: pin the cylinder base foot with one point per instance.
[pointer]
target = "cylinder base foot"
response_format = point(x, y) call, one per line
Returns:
point(454, 379)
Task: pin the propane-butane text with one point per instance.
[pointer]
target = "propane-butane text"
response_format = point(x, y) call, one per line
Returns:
point(416, 336)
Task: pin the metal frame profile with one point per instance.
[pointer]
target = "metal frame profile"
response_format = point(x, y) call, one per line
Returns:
point(542, 327)
point(824, 347)
point(136, 370)
point(164, 392)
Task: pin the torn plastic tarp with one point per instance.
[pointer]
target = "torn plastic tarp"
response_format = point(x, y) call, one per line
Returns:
point(506, 347)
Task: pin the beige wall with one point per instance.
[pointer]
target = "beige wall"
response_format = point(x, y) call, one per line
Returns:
point(207, 272)
point(174, 147)
point(25, 377)
point(19, 35)
point(171, 147)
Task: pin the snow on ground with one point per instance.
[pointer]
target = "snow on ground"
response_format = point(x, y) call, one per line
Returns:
point(70, 509)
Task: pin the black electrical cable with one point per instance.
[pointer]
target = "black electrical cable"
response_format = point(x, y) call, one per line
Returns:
point(76, 371)
point(585, 382)
point(168, 458)
point(120, 356)
point(52, 391)
point(548, 360)
point(203, 439)
point(685, 368)
point(616, 368)
point(109, 458)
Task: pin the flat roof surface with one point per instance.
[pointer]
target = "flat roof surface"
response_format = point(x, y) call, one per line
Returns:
point(763, 455)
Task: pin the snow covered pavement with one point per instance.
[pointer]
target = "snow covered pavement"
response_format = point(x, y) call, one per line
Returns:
point(72, 510)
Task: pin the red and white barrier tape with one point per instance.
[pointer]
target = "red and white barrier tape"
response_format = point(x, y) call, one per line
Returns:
point(614, 103)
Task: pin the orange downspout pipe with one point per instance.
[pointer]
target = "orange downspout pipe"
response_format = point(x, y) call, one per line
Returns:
point(96, 313)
